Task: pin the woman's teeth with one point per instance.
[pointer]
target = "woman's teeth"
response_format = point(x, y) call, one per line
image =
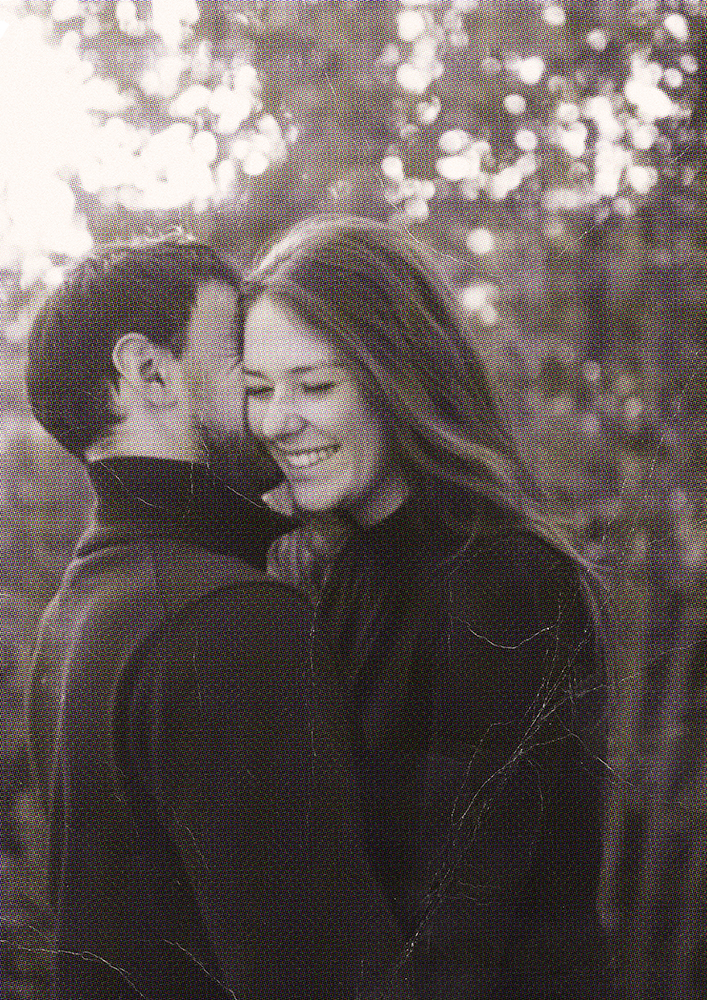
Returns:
point(303, 459)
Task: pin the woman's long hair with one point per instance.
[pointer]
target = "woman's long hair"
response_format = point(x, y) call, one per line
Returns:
point(376, 296)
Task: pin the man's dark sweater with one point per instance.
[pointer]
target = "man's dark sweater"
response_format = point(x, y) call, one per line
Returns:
point(199, 787)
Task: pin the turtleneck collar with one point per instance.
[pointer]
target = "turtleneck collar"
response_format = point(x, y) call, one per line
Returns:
point(403, 540)
point(156, 496)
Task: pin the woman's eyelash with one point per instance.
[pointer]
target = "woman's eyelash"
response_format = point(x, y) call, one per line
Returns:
point(320, 387)
point(260, 390)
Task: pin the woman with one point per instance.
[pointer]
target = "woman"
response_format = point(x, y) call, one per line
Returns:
point(475, 670)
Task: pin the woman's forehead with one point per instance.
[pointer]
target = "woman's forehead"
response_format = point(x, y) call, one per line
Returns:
point(276, 339)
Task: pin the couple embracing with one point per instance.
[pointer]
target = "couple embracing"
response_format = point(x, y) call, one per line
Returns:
point(345, 743)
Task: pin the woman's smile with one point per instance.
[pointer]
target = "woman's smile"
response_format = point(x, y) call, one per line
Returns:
point(299, 459)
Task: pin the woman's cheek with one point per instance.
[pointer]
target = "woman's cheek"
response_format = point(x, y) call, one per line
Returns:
point(339, 416)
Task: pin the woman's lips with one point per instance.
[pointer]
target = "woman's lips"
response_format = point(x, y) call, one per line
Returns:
point(306, 458)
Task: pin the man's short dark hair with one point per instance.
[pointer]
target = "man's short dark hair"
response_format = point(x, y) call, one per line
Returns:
point(148, 287)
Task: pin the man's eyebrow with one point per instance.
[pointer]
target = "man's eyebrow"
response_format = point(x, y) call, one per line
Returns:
point(299, 370)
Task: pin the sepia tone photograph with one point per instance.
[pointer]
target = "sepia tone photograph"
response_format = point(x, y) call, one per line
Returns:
point(353, 499)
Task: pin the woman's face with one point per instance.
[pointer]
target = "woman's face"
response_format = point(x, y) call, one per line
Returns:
point(304, 404)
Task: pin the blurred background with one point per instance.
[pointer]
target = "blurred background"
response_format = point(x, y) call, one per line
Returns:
point(552, 154)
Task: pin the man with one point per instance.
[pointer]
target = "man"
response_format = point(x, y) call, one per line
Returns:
point(200, 842)
point(45, 504)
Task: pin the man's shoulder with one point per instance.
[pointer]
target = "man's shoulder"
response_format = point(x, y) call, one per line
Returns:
point(186, 572)
point(110, 565)
point(208, 593)
point(171, 603)
point(119, 591)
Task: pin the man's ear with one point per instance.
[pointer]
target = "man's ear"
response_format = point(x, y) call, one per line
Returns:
point(148, 369)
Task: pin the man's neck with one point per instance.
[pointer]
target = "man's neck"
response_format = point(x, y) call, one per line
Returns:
point(185, 500)
point(143, 442)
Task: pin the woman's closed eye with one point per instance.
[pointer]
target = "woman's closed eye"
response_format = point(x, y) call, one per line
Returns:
point(316, 389)
point(319, 387)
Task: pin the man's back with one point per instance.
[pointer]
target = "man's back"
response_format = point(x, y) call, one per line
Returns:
point(200, 841)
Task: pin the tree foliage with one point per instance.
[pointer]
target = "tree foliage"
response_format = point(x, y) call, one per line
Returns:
point(550, 152)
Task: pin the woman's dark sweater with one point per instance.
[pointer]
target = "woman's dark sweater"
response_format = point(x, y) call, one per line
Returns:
point(476, 691)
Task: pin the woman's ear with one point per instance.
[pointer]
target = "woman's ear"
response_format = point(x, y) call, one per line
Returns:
point(150, 371)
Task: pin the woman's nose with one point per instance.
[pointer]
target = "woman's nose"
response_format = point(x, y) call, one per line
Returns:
point(281, 417)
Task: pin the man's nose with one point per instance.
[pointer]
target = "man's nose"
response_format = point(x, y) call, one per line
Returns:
point(281, 417)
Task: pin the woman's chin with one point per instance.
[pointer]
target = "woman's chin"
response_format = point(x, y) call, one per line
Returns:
point(309, 506)
point(313, 501)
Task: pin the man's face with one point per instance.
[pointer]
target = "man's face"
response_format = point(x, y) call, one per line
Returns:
point(216, 388)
